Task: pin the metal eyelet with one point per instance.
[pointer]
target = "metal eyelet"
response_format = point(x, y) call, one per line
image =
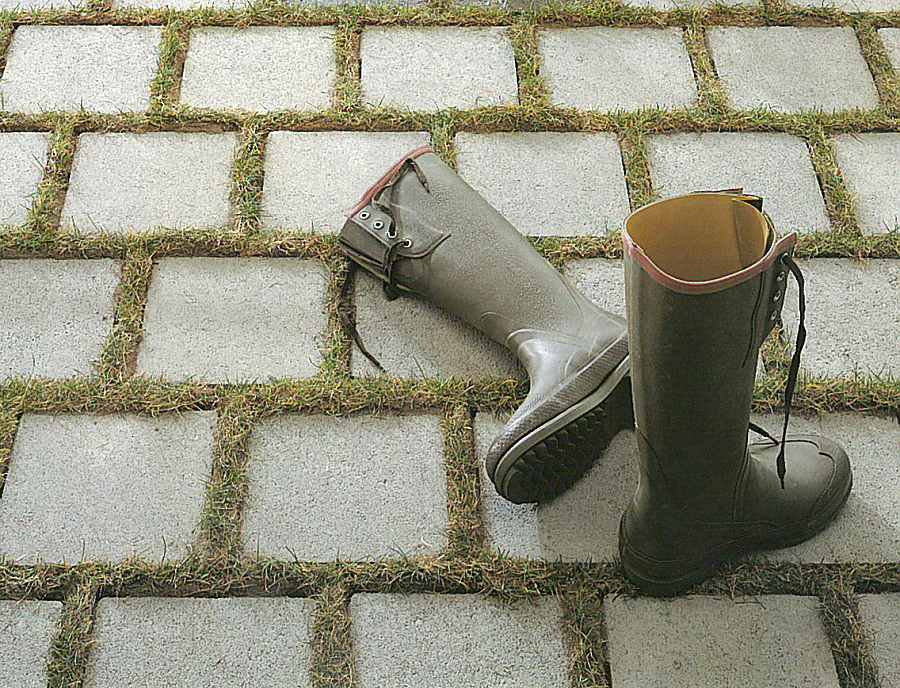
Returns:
point(391, 232)
point(407, 243)
point(781, 275)
point(364, 215)
point(777, 295)
point(378, 224)
point(773, 315)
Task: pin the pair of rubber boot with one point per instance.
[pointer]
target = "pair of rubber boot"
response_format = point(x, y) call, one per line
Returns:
point(705, 277)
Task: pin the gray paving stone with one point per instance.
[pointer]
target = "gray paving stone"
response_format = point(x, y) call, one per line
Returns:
point(868, 164)
point(868, 528)
point(254, 642)
point(55, 315)
point(891, 38)
point(256, 68)
point(548, 183)
point(601, 280)
point(352, 488)
point(28, 630)
point(414, 338)
point(608, 68)
point(774, 166)
point(312, 178)
point(22, 159)
point(853, 5)
point(101, 68)
point(766, 640)
point(791, 69)
point(852, 318)
point(122, 183)
point(432, 68)
point(880, 614)
point(83, 487)
point(446, 641)
point(204, 317)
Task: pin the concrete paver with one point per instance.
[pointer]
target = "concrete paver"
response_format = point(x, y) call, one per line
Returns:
point(868, 164)
point(880, 614)
point(22, 159)
point(105, 487)
point(29, 627)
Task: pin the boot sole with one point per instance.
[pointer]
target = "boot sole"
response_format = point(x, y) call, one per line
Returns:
point(551, 458)
point(691, 572)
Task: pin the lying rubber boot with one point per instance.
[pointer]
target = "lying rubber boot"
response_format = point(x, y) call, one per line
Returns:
point(422, 229)
point(705, 279)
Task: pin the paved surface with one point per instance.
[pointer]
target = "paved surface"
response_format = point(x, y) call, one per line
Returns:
point(227, 492)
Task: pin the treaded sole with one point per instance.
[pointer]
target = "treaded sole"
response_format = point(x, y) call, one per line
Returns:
point(564, 449)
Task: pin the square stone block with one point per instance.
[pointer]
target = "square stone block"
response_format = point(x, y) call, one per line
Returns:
point(792, 68)
point(881, 616)
point(601, 280)
point(55, 315)
point(709, 642)
point(204, 317)
point(548, 183)
point(774, 166)
point(257, 69)
point(29, 627)
point(852, 318)
point(352, 488)
point(611, 68)
point(22, 159)
point(100, 68)
point(312, 178)
point(868, 164)
point(136, 182)
point(412, 337)
point(432, 68)
point(254, 642)
point(449, 641)
point(86, 488)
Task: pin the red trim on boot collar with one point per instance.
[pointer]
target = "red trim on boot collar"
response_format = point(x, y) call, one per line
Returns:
point(386, 177)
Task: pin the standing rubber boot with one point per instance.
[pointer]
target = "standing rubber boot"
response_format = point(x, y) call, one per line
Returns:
point(420, 228)
point(705, 279)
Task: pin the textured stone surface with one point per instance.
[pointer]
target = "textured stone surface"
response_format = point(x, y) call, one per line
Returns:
point(54, 315)
point(852, 318)
point(766, 640)
point(28, 629)
point(312, 178)
point(413, 338)
point(432, 68)
point(254, 642)
point(22, 159)
point(204, 317)
point(601, 280)
point(881, 616)
point(94, 487)
point(362, 487)
point(548, 183)
point(868, 164)
point(774, 166)
point(604, 68)
point(853, 5)
point(256, 68)
point(102, 68)
point(790, 68)
point(136, 182)
point(447, 641)
point(891, 37)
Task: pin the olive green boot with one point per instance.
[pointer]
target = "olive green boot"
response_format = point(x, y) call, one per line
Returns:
point(705, 278)
point(420, 228)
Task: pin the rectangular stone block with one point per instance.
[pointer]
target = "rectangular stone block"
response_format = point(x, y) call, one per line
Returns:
point(852, 318)
point(433, 68)
point(709, 642)
point(256, 68)
point(362, 487)
point(312, 178)
point(611, 68)
point(22, 159)
point(881, 616)
point(55, 315)
point(412, 337)
point(29, 627)
point(774, 166)
point(548, 183)
point(97, 487)
point(137, 182)
point(448, 641)
point(868, 164)
point(601, 280)
point(100, 68)
point(254, 642)
point(792, 68)
point(205, 316)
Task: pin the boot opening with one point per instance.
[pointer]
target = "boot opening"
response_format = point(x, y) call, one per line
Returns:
point(701, 237)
